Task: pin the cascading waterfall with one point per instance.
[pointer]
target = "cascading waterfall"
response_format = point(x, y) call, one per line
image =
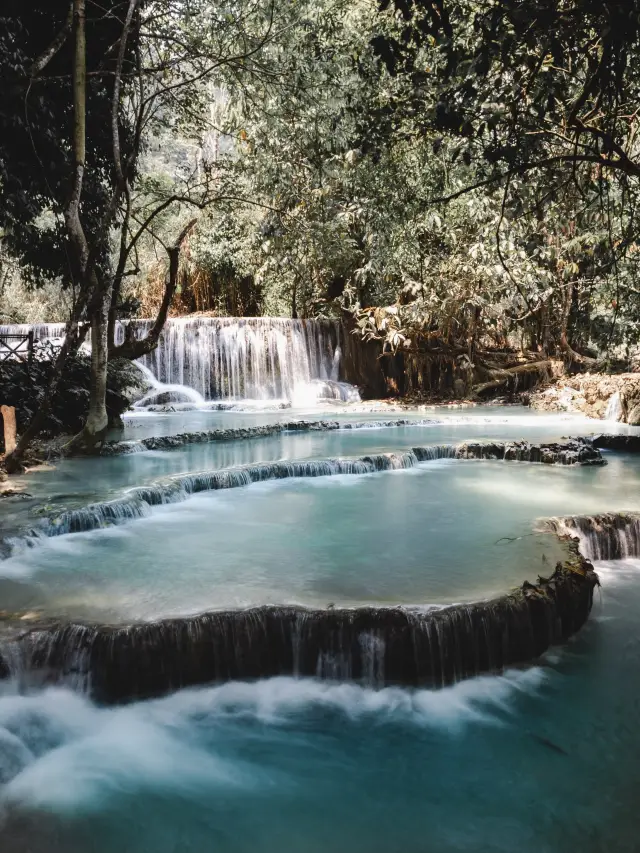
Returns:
point(608, 536)
point(164, 393)
point(42, 332)
point(228, 358)
point(264, 358)
point(373, 646)
point(137, 502)
point(615, 408)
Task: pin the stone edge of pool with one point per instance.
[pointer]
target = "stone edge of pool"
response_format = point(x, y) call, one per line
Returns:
point(137, 502)
point(371, 646)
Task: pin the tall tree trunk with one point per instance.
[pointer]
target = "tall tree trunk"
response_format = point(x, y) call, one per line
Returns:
point(79, 250)
point(97, 422)
point(97, 419)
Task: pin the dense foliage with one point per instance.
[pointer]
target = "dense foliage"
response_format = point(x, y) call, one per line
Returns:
point(23, 386)
point(457, 175)
point(458, 178)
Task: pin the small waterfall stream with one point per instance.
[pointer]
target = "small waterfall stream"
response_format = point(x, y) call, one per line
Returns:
point(615, 409)
point(607, 536)
point(375, 646)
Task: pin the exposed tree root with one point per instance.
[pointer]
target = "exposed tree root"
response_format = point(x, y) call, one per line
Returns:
point(501, 376)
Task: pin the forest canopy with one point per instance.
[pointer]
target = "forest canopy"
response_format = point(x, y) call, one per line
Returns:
point(453, 177)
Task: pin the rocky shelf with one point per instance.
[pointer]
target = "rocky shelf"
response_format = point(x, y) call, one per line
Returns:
point(170, 442)
point(371, 646)
point(137, 502)
point(420, 647)
point(622, 443)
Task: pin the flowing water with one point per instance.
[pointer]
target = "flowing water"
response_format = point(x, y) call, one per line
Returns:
point(228, 358)
point(427, 535)
point(540, 759)
point(544, 758)
point(614, 411)
point(254, 358)
point(452, 530)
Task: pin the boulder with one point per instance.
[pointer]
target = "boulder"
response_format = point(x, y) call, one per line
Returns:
point(590, 394)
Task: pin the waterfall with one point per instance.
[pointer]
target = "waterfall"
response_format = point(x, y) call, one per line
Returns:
point(615, 408)
point(137, 502)
point(228, 358)
point(42, 332)
point(608, 536)
point(263, 358)
point(162, 393)
point(372, 646)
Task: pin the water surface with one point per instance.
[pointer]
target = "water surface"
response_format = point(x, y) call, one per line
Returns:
point(544, 759)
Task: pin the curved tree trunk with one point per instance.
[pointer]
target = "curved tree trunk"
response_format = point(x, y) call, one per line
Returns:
point(135, 348)
point(97, 420)
point(565, 346)
point(97, 423)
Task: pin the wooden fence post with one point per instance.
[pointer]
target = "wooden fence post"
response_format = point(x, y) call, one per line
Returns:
point(9, 420)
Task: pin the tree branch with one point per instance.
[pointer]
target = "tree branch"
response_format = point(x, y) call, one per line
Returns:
point(503, 376)
point(133, 348)
point(50, 51)
point(627, 166)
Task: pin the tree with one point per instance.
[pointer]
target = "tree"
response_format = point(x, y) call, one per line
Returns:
point(538, 99)
point(92, 98)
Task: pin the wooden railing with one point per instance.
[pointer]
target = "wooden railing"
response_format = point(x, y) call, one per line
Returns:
point(26, 347)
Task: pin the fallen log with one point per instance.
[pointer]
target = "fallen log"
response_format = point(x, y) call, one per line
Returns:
point(499, 377)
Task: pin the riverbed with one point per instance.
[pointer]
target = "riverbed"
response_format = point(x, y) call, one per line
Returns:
point(541, 758)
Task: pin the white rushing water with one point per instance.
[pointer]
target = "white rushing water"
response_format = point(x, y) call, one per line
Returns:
point(166, 392)
point(489, 763)
point(263, 358)
point(227, 358)
point(614, 410)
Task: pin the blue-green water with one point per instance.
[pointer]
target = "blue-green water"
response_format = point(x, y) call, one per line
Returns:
point(543, 759)
point(76, 482)
point(433, 534)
